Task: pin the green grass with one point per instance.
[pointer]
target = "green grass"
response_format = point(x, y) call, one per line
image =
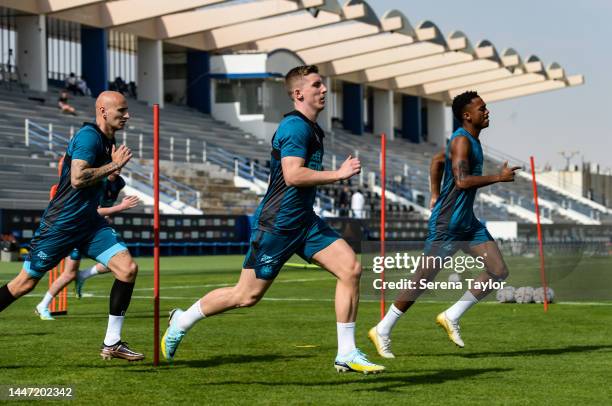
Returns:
point(515, 354)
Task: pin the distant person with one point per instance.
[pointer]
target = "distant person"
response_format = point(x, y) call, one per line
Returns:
point(70, 84)
point(64, 105)
point(344, 201)
point(358, 204)
point(119, 85)
point(133, 90)
point(82, 86)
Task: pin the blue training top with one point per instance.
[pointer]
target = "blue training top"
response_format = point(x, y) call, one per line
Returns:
point(76, 209)
point(454, 209)
point(288, 208)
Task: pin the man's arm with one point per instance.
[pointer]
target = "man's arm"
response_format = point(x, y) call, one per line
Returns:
point(460, 149)
point(83, 175)
point(297, 175)
point(436, 170)
point(127, 203)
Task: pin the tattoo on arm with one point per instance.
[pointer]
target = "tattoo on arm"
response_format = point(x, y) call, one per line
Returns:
point(461, 170)
point(84, 176)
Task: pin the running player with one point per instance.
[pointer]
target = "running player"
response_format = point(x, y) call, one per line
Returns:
point(453, 225)
point(112, 186)
point(71, 220)
point(285, 224)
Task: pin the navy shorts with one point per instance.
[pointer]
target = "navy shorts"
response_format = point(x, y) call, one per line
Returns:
point(49, 246)
point(446, 244)
point(269, 251)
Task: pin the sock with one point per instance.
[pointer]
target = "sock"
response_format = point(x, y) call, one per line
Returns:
point(6, 298)
point(45, 302)
point(190, 317)
point(120, 297)
point(346, 338)
point(385, 326)
point(113, 331)
point(88, 273)
point(456, 311)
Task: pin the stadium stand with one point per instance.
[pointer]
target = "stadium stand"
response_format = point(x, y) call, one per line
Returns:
point(190, 137)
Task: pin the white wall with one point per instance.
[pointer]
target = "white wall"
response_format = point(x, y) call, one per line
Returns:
point(150, 71)
point(32, 51)
point(383, 112)
point(439, 122)
point(505, 230)
point(250, 123)
point(236, 64)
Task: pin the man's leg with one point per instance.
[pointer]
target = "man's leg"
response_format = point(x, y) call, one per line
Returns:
point(71, 268)
point(82, 276)
point(46, 252)
point(339, 259)
point(380, 335)
point(267, 254)
point(19, 286)
point(495, 271)
point(246, 293)
point(125, 270)
point(107, 248)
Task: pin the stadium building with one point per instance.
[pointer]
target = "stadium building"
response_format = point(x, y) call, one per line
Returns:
point(216, 68)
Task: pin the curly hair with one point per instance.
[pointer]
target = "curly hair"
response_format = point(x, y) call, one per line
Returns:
point(460, 101)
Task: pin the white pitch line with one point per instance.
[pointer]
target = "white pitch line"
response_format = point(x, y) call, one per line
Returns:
point(220, 285)
point(306, 299)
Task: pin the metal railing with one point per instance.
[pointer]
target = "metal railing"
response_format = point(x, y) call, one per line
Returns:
point(49, 142)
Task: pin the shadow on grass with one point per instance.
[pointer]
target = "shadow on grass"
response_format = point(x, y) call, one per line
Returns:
point(236, 359)
point(200, 363)
point(32, 333)
point(533, 352)
point(389, 380)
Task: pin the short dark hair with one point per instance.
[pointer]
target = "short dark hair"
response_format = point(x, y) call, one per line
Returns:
point(296, 74)
point(460, 101)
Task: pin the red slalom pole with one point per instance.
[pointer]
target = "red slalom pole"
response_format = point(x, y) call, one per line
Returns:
point(539, 225)
point(383, 202)
point(156, 234)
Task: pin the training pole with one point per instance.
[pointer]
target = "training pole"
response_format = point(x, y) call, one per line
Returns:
point(156, 234)
point(539, 226)
point(383, 203)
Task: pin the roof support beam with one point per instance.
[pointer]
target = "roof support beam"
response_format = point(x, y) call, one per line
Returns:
point(196, 21)
point(45, 6)
point(533, 88)
point(113, 13)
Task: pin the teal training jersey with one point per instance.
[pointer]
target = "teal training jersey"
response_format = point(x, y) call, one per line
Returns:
point(453, 212)
point(288, 208)
point(74, 209)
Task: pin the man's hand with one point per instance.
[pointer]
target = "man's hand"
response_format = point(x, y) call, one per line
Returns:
point(507, 173)
point(349, 168)
point(129, 202)
point(432, 201)
point(121, 155)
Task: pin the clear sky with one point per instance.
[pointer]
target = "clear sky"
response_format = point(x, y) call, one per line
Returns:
point(576, 34)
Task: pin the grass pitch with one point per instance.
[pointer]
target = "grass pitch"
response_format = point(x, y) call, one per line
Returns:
point(282, 350)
